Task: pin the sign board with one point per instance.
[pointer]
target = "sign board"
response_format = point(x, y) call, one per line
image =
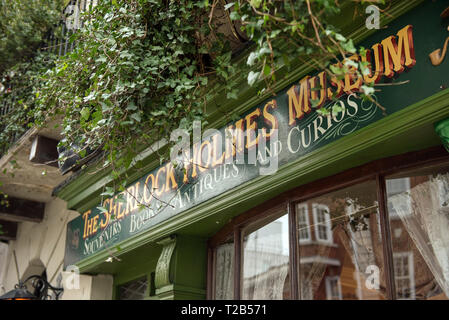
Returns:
point(399, 53)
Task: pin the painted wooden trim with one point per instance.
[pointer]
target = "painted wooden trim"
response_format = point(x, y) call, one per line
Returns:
point(237, 263)
point(293, 251)
point(386, 237)
point(162, 278)
point(171, 292)
point(210, 283)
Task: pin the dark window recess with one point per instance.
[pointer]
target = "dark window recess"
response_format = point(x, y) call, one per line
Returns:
point(134, 290)
point(152, 284)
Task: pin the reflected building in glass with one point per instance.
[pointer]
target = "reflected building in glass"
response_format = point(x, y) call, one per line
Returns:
point(340, 245)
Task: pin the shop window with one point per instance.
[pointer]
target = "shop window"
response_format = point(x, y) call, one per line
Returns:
point(133, 290)
point(224, 271)
point(362, 235)
point(322, 223)
point(384, 235)
point(423, 232)
point(266, 261)
point(349, 218)
point(303, 223)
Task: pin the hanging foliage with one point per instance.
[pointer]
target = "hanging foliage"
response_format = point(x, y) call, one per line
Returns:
point(24, 26)
point(142, 68)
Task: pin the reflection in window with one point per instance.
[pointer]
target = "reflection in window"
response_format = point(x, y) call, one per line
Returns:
point(224, 271)
point(404, 275)
point(345, 246)
point(333, 288)
point(266, 262)
point(322, 222)
point(423, 232)
point(394, 187)
point(134, 290)
point(303, 223)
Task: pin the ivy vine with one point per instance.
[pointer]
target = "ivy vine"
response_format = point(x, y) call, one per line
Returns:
point(142, 68)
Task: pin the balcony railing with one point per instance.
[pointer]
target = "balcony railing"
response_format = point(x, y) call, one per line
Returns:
point(58, 42)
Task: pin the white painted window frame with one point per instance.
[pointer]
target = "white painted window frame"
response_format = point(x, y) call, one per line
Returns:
point(329, 288)
point(411, 272)
point(307, 222)
point(328, 223)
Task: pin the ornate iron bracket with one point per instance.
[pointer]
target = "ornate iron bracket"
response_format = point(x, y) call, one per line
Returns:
point(41, 286)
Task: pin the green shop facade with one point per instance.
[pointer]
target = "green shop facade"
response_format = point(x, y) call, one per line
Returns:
point(356, 207)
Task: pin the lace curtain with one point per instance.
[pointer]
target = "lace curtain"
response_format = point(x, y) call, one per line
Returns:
point(428, 224)
point(266, 262)
point(224, 272)
point(363, 253)
point(268, 272)
point(365, 249)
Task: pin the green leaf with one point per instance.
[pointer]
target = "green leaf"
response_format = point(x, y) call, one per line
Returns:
point(255, 3)
point(323, 112)
point(234, 15)
point(252, 77)
point(336, 109)
point(368, 90)
point(102, 209)
point(349, 46)
point(336, 69)
point(131, 106)
point(136, 117)
point(109, 192)
point(339, 37)
point(85, 113)
point(228, 5)
point(121, 198)
point(267, 70)
point(251, 59)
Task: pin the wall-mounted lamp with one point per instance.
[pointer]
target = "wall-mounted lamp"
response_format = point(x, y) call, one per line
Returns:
point(41, 286)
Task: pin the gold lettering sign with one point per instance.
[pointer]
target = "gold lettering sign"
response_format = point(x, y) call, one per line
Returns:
point(388, 58)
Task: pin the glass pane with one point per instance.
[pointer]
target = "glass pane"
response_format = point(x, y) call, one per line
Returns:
point(134, 290)
point(303, 223)
point(266, 262)
point(224, 271)
point(419, 221)
point(343, 259)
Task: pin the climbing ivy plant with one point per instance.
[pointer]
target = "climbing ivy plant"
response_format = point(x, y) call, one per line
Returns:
point(142, 68)
point(18, 99)
point(24, 26)
point(287, 30)
point(138, 73)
